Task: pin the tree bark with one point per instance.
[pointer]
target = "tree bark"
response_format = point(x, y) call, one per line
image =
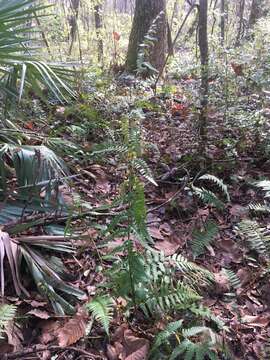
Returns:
point(73, 22)
point(146, 12)
point(241, 22)
point(203, 45)
point(223, 16)
point(98, 26)
point(255, 12)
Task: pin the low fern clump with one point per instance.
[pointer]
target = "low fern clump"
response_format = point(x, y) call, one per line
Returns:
point(152, 284)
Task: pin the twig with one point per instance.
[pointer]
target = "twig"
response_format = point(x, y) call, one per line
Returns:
point(19, 354)
point(174, 196)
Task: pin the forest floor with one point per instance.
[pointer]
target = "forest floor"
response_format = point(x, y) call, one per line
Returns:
point(172, 216)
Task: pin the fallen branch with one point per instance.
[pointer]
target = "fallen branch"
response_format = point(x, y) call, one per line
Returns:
point(38, 349)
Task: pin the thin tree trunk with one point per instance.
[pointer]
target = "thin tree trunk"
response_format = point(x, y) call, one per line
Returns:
point(241, 22)
point(98, 25)
point(73, 22)
point(215, 18)
point(222, 21)
point(255, 12)
point(203, 45)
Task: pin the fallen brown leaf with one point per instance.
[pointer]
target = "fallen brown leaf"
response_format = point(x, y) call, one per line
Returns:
point(73, 330)
point(38, 313)
point(256, 321)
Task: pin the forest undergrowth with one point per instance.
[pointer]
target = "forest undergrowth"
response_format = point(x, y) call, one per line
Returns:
point(210, 210)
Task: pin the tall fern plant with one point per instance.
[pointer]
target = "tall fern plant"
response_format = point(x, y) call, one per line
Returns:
point(150, 282)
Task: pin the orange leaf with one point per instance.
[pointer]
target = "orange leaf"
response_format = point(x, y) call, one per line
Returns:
point(238, 69)
point(116, 36)
point(29, 125)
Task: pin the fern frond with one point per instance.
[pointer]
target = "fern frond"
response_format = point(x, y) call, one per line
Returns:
point(233, 279)
point(102, 308)
point(205, 313)
point(201, 239)
point(264, 185)
point(143, 169)
point(207, 197)
point(164, 335)
point(190, 350)
point(170, 297)
point(259, 208)
point(159, 262)
point(7, 314)
point(257, 237)
point(218, 182)
point(190, 269)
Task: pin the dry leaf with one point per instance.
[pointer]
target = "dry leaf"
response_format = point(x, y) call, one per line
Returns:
point(49, 330)
point(256, 321)
point(169, 248)
point(38, 313)
point(137, 348)
point(116, 36)
point(155, 233)
point(73, 330)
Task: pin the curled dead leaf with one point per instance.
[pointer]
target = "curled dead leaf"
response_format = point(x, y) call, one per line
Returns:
point(73, 330)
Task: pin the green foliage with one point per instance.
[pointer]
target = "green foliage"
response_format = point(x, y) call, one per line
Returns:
point(37, 170)
point(17, 66)
point(151, 281)
point(218, 182)
point(7, 314)
point(208, 196)
point(257, 237)
point(165, 334)
point(233, 279)
point(143, 64)
point(101, 308)
point(258, 208)
point(205, 345)
point(201, 239)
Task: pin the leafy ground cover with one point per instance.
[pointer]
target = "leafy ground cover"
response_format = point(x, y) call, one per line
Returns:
point(218, 225)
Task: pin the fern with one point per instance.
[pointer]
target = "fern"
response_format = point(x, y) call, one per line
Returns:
point(143, 65)
point(164, 335)
point(143, 169)
point(207, 197)
point(264, 185)
point(259, 208)
point(206, 314)
point(206, 341)
point(170, 297)
point(218, 182)
point(190, 270)
point(190, 350)
point(111, 148)
point(257, 237)
point(233, 279)
point(7, 314)
point(201, 239)
point(102, 308)
point(159, 262)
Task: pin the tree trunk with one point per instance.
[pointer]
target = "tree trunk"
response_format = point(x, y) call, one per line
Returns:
point(255, 12)
point(146, 12)
point(223, 16)
point(98, 26)
point(241, 22)
point(203, 45)
point(73, 22)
